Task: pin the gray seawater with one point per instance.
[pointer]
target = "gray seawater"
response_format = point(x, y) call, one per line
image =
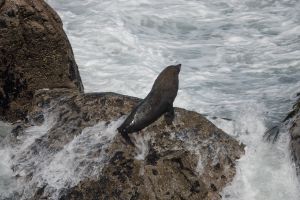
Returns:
point(240, 60)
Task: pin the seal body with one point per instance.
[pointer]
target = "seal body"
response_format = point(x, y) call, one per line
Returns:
point(158, 102)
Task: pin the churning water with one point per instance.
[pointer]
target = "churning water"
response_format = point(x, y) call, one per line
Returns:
point(240, 60)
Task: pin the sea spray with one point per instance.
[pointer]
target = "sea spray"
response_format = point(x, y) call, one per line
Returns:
point(142, 145)
point(28, 166)
point(266, 170)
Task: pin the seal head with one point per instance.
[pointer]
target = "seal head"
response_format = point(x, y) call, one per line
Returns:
point(158, 102)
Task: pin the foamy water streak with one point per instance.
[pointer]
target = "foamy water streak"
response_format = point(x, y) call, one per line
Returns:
point(18, 159)
point(141, 145)
point(26, 165)
point(266, 170)
point(6, 182)
point(83, 157)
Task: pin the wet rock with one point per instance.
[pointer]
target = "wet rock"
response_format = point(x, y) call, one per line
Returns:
point(292, 121)
point(187, 160)
point(295, 135)
point(34, 54)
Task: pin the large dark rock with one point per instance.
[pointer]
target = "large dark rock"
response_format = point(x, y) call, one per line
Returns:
point(191, 159)
point(34, 54)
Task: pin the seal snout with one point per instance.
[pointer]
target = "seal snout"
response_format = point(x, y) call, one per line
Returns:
point(178, 67)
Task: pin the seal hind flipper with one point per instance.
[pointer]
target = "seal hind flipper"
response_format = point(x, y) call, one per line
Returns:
point(169, 115)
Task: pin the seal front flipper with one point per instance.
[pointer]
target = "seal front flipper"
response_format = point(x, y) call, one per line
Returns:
point(127, 138)
point(169, 115)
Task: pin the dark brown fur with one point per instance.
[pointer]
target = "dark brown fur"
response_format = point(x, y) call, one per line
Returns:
point(158, 102)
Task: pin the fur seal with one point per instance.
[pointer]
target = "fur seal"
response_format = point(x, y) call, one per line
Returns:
point(158, 102)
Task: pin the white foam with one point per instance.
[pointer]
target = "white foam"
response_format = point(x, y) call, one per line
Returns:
point(83, 157)
point(266, 171)
point(5, 129)
point(33, 133)
point(17, 159)
point(6, 174)
point(200, 165)
point(142, 145)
